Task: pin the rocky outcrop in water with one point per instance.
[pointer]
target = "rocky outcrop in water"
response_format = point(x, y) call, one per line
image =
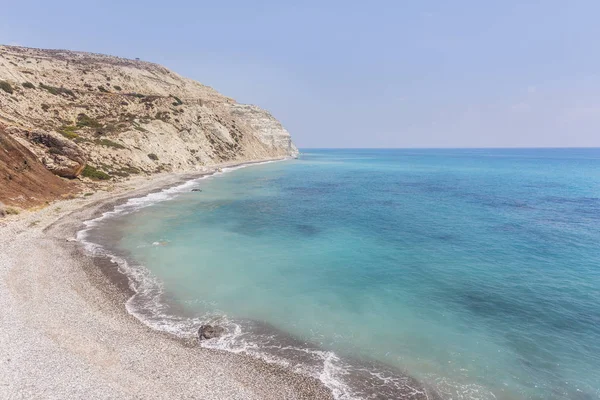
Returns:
point(210, 332)
point(123, 117)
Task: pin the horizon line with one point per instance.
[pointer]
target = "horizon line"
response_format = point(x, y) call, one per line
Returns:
point(451, 148)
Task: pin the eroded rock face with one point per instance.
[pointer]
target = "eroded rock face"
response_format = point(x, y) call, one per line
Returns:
point(209, 331)
point(269, 130)
point(63, 157)
point(24, 182)
point(120, 111)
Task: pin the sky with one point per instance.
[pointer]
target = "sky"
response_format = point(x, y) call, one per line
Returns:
point(431, 73)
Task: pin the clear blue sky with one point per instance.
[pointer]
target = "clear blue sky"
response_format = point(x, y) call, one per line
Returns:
point(437, 73)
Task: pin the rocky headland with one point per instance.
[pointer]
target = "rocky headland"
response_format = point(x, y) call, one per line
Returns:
point(73, 121)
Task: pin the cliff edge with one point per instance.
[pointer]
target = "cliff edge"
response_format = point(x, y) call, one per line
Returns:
point(89, 117)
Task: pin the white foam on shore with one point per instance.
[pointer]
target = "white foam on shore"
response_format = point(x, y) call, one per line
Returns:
point(136, 203)
point(147, 302)
point(329, 370)
point(148, 305)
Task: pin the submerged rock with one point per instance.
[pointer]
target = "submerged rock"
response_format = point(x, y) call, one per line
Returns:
point(196, 190)
point(209, 331)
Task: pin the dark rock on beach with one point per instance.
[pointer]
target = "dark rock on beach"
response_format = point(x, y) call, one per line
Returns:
point(209, 331)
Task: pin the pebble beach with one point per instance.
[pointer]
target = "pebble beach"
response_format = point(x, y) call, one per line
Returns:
point(66, 333)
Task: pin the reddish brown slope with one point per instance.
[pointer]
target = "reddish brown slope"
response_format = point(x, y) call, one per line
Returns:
point(24, 181)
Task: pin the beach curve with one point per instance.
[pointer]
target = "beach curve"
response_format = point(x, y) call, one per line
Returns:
point(66, 333)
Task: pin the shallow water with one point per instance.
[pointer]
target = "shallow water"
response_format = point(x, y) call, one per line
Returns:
point(476, 272)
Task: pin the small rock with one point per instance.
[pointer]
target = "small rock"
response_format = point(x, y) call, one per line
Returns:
point(209, 331)
point(196, 190)
point(71, 239)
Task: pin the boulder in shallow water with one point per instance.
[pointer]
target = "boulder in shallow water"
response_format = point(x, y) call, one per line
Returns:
point(209, 331)
point(196, 190)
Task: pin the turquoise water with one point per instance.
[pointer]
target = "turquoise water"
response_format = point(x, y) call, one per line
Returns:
point(477, 272)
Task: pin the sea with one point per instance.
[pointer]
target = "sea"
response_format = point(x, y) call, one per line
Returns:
point(385, 273)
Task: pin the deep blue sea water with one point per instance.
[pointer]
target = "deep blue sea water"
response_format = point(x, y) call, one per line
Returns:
point(476, 272)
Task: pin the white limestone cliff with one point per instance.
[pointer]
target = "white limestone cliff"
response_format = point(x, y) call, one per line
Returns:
point(128, 117)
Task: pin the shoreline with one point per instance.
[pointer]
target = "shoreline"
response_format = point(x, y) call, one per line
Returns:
point(346, 376)
point(67, 334)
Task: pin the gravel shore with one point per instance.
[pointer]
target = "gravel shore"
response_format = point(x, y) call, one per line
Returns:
point(65, 333)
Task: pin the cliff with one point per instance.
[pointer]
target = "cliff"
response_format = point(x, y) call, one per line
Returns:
point(25, 181)
point(95, 117)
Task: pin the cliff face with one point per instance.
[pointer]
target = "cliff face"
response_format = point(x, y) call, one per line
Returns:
point(24, 181)
point(120, 117)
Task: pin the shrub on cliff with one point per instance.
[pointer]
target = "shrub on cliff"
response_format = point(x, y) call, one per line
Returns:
point(6, 87)
point(153, 157)
point(93, 173)
point(102, 89)
point(109, 143)
point(126, 171)
point(4, 211)
point(69, 132)
point(85, 121)
point(177, 101)
point(28, 85)
point(163, 116)
point(117, 87)
point(57, 90)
